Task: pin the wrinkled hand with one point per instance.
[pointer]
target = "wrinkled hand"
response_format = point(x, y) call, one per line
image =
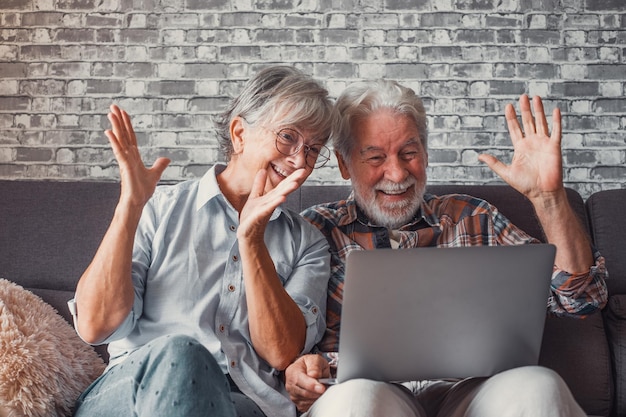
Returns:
point(301, 380)
point(260, 205)
point(138, 182)
point(537, 166)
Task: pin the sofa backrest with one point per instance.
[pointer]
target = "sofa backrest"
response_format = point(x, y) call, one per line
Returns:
point(508, 201)
point(608, 229)
point(49, 232)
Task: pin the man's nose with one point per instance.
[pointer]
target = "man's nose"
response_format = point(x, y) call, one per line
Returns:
point(395, 170)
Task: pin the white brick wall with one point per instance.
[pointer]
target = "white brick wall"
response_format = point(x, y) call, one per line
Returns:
point(174, 64)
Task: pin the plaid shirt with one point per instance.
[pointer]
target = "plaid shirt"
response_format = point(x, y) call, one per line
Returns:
point(442, 221)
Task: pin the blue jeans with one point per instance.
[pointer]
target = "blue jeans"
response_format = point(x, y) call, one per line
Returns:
point(170, 376)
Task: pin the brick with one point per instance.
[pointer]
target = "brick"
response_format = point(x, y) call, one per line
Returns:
point(399, 71)
point(575, 89)
point(16, 4)
point(207, 4)
point(14, 103)
point(499, 21)
point(70, 69)
point(604, 5)
point(338, 36)
point(476, 36)
point(274, 35)
point(406, 4)
point(443, 156)
point(42, 87)
point(537, 71)
point(607, 72)
point(74, 35)
point(39, 52)
point(104, 20)
point(9, 87)
point(313, 20)
point(617, 173)
point(610, 105)
point(541, 37)
point(445, 89)
point(103, 87)
point(514, 88)
point(480, 71)
point(134, 70)
point(64, 137)
point(408, 36)
point(208, 104)
point(140, 36)
point(238, 53)
point(45, 19)
point(33, 154)
point(339, 70)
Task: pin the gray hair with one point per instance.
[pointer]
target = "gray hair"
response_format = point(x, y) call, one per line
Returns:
point(283, 95)
point(365, 98)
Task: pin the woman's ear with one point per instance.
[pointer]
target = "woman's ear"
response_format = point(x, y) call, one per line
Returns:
point(237, 129)
point(343, 167)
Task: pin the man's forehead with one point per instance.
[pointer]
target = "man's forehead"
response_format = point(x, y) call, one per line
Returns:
point(386, 145)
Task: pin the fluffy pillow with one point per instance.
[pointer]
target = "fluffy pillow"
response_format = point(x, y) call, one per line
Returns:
point(44, 365)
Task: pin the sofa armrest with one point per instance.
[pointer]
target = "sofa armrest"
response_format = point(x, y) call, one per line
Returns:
point(615, 319)
point(577, 349)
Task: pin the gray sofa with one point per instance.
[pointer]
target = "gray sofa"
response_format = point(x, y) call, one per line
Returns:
point(50, 230)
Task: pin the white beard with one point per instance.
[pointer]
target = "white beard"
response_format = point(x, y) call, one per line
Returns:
point(394, 215)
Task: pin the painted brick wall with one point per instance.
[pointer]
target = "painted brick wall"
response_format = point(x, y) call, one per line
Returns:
point(174, 63)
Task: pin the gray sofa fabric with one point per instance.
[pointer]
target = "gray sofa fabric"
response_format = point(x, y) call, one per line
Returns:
point(50, 230)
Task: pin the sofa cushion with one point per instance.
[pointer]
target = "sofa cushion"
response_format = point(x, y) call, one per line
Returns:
point(44, 366)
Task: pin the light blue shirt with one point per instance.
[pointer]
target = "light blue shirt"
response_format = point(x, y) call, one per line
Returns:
point(188, 280)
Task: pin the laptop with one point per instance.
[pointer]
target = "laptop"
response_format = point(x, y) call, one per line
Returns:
point(435, 313)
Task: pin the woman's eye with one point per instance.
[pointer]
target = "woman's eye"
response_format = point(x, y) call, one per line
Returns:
point(288, 136)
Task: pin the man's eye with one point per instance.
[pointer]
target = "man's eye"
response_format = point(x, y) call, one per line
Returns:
point(409, 155)
point(375, 160)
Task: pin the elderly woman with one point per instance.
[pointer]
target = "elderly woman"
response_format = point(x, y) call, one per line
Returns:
point(207, 289)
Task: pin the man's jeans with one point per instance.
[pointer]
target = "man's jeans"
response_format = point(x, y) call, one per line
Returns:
point(170, 376)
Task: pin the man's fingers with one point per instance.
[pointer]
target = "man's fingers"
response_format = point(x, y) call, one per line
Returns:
point(540, 117)
point(556, 126)
point(515, 131)
point(527, 116)
point(494, 164)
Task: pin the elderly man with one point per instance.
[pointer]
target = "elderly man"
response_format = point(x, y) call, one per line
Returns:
point(381, 145)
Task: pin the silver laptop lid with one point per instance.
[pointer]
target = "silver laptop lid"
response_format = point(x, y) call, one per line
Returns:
point(430, 313)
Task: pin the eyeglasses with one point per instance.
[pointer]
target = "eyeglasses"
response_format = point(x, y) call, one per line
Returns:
point(289, 142)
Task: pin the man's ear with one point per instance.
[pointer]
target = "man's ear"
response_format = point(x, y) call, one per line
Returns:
point(237, 129)
point(343, 167)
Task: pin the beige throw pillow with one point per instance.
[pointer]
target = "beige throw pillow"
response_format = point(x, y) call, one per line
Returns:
point(44, 365)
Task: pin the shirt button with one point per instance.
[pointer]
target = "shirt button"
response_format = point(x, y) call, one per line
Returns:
point(222, 328)
point(231, 288)
point(235, 258)
point(233, 364)
point(232, 228)
point(314, 310)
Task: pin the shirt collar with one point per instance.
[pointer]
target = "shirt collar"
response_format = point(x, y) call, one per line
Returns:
point(425, 213)
point(208, 188)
